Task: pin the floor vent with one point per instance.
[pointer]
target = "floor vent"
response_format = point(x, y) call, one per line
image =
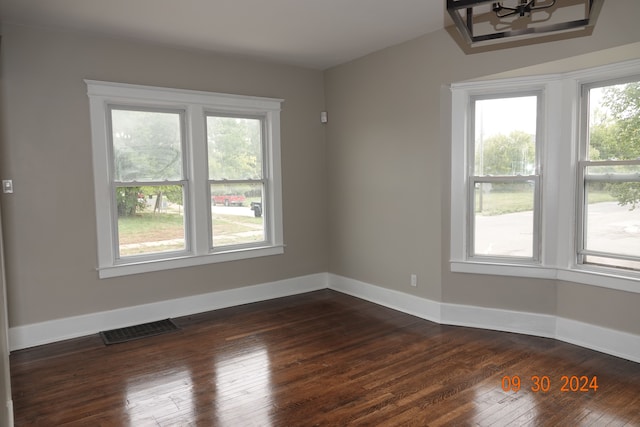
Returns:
point(130, 333)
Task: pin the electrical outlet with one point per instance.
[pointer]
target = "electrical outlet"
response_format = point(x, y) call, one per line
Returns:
point(7, 186)
point(414, 280)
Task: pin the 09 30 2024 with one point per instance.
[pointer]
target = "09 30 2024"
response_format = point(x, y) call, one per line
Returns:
point(543, 383)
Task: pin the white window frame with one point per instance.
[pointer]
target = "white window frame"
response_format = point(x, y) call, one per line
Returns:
point(583, 177)
point(561, 137)
point(474, 179)
point(262, 180)
point(183, 182)
point(195, 105)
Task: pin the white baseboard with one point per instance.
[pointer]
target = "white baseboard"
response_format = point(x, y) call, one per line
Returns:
point(605, 340)
point(72, 327)
point(541, 325)
point(10, 421)
point(410, 304)
point(610, 341)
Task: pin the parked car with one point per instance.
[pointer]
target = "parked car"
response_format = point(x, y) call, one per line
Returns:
point(228, 199)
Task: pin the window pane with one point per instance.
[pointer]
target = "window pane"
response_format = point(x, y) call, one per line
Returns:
point(612, 223)
point(235, 148)
point(614, 122)
point(505, 135)
point(237, 215)
point(612, 171)
point(150, 219)
point(503, 219)
point(612, 262)
point(147, 145)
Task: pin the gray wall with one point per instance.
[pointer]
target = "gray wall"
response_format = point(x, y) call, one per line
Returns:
point(374, 182)
point(389, 173)
point(49, 222)
point(6, 415)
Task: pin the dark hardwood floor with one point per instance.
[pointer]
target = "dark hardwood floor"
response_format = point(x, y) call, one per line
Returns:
point(321, 358)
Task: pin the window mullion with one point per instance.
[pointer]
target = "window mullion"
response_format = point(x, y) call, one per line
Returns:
point(505, 178)
point(182, 182)
point(199, 192)
point(613, 177)
point(581, 213)
point(583, 151)
point(538, 238)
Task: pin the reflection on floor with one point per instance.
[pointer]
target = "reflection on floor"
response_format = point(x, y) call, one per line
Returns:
point(321, 358)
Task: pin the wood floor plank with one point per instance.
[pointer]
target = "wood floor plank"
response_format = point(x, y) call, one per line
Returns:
point(322, 358)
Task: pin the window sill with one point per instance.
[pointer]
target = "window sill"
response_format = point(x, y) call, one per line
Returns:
point(186, 261)
point(578, 274)
point(517, 270)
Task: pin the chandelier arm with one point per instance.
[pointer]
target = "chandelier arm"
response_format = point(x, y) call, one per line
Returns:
point(498, 7)
point(553, 3)
point(523, 8)
point(513, 12)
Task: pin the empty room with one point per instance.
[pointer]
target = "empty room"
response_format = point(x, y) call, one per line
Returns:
point(296, 213)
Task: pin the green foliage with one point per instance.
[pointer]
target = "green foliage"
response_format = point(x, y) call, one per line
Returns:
point(147, 145)
point(504, 199)
point(602, 142)
point(172, 193)
point(513, 154)
point(128, 201)
point(149, 227)
point(234, 146)
point(627, 193)
point(624, 103)
point(615, 135)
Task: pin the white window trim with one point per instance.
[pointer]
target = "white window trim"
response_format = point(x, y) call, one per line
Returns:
point(560, 138)
point(536, 177)
point(195, 104)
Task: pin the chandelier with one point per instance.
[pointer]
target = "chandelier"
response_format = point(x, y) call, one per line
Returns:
point(483, 21)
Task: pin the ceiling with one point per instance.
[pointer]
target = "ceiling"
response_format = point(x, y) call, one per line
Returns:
point(315, 34)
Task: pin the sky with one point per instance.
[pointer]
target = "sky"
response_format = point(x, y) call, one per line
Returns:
point(504, 115)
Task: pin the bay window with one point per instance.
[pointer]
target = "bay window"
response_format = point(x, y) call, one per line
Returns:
point(545, 176)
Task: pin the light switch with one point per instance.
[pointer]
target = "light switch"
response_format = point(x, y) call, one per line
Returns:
point(7, 186)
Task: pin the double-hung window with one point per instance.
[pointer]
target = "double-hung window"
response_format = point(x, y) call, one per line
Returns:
point(183, 177)
point(545, 176)
point(504, 180)
point(236, 178)
point(148, 169)
point(609, 175)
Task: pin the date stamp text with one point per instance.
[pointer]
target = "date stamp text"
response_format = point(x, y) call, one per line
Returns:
point(544, 384)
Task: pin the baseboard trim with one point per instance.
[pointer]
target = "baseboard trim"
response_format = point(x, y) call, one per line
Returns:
point(26, 336)
point(605, 340)
point(610, 341)
point(10, 420)
point(406, 303)
point(541, 325)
